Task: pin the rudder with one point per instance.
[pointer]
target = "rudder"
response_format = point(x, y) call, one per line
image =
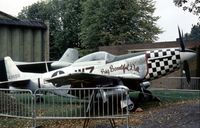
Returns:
point(12, 71)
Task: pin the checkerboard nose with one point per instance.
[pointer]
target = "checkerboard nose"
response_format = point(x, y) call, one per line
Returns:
point(187, 55)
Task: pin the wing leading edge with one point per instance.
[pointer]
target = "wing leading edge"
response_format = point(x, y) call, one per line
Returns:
point(89, 80)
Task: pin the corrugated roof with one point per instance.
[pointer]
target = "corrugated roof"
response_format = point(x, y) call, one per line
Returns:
point(23, 23)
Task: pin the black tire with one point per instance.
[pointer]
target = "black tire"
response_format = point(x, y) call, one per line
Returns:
point(146, 95)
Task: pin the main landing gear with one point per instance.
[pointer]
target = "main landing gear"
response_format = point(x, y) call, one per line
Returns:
point(144, 96)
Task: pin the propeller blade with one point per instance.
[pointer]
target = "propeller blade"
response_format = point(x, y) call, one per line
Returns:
point(181, 40)
point(187, 71)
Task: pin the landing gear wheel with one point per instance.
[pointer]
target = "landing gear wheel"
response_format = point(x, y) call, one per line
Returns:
point(130, 107)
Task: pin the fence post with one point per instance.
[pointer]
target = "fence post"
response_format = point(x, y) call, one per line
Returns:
point(127, 111)
point(33, 101)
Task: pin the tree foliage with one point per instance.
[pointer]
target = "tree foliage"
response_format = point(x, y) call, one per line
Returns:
point(194, 35)
point(189, 5)
point(107, 22)
point(64, 19)
point(93, 23)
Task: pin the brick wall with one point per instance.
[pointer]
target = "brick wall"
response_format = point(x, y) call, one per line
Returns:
point(125, 48)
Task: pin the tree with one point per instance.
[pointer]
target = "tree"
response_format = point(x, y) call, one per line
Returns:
point(190, 5)
point(194, 35)
point(93, 23)
point(107, 22)
point(195, 32)
point(64, 18)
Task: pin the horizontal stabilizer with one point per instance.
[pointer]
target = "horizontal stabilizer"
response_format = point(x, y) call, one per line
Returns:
point(16, 83)
point(32, 63)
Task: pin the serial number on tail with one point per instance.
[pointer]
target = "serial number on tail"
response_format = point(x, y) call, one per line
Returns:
point(14, 76)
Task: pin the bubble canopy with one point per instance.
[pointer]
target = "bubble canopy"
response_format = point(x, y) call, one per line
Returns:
point(97, 56)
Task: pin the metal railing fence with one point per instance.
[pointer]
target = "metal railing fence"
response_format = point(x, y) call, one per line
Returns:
point(71, 103)
point(16, 103)
point(80, 103)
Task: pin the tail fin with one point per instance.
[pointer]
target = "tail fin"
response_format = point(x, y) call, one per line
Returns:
point(11, 71)
point(70, 55)
point(67, 58)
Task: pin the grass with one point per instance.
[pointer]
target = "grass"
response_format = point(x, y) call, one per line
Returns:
point(176, 95)
point(169, 97)
point(59, 106)
point(172, 95)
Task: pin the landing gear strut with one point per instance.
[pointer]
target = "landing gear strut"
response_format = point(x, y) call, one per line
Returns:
point(145, 95)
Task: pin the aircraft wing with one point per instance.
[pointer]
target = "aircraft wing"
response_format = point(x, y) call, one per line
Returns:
point(87, 79)
point(16, 83)
point(31, 63)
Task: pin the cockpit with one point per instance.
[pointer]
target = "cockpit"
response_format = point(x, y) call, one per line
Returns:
point(97, 56)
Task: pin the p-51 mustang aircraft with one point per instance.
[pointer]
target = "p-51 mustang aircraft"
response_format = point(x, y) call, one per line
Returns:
point(101, 69)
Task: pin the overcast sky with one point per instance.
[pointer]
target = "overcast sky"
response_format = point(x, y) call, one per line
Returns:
point(170, 16)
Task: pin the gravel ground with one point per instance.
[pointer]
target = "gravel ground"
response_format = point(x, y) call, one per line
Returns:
point(179, 115)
